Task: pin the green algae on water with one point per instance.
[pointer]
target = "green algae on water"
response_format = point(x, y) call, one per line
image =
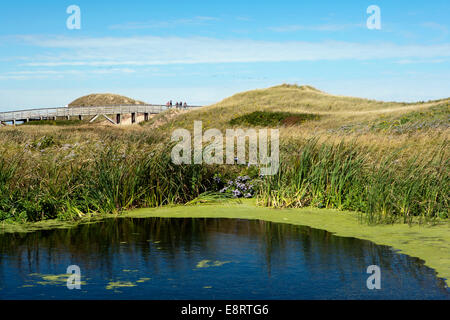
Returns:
point(28, 227)
point(120, 284)
point(52, 279)
point(209, 263)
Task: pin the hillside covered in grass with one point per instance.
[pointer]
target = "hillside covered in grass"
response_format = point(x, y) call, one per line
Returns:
point(305, 108)
point(389, 161)
point(103, 99)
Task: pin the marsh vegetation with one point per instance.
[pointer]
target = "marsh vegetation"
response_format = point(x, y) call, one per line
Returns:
point(340, 152)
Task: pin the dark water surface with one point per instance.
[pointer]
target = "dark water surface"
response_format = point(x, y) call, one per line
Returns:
point(161, 258)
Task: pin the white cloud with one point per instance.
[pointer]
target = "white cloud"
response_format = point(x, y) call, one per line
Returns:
point(147, 51)
point(322, 27)
point(442, 29)
point(44, 74)
point(421, 61)
point(435, 26)
point(169, 23)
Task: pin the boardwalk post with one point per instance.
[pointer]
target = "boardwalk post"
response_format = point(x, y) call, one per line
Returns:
point(133, 117)
point(118, 118)
point(146, 116)
point(80, 117)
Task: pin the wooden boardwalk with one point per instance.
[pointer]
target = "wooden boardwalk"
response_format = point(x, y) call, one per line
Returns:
point(82, 112)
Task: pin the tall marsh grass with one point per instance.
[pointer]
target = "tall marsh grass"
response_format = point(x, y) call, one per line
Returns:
point(70, 173)
point(109, 181)
point(387, 188)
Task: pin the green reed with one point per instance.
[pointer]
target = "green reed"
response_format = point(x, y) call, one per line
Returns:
point(115, 179)
point(41, 181)
point(346, 176)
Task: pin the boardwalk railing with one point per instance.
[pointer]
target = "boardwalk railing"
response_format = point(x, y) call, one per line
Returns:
point(49, 113)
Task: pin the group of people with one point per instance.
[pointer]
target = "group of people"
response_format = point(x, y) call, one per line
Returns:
point(178, 105)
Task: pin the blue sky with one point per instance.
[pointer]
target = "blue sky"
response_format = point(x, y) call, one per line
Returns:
point(204, 51)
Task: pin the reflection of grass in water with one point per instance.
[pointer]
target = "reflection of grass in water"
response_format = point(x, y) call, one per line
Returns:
point(141, 280)
point(209, 263)
point(53, 279)
point(127, 270)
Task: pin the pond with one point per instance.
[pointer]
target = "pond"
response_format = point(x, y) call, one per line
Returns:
point(183, 258)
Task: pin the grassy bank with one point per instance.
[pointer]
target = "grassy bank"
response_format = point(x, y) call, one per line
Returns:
point(48, 178)
point(346, 176)
point(91, 180)
point(387, 161)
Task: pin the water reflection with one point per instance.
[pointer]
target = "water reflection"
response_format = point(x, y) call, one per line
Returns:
point(266, 261)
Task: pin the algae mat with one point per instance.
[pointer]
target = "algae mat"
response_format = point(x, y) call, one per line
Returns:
point(429, 243)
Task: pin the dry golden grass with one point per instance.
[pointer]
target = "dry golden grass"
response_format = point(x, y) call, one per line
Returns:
point(64, 166)
point(103, 99)
point(336, 112)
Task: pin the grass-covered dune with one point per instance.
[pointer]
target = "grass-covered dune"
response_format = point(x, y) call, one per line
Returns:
point(333, 111)
point(388, 161)
point(103, 99)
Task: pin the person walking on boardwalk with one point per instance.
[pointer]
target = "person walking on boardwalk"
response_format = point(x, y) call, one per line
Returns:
point(185, 105)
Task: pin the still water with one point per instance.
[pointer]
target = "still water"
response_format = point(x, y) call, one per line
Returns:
point(162, 258)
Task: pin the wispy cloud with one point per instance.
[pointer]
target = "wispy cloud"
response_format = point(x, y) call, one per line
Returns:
point(169, 23)
point(45, 74)
point(443, 30)
point(142, 51)
point(421, 61)
point(322, 27)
